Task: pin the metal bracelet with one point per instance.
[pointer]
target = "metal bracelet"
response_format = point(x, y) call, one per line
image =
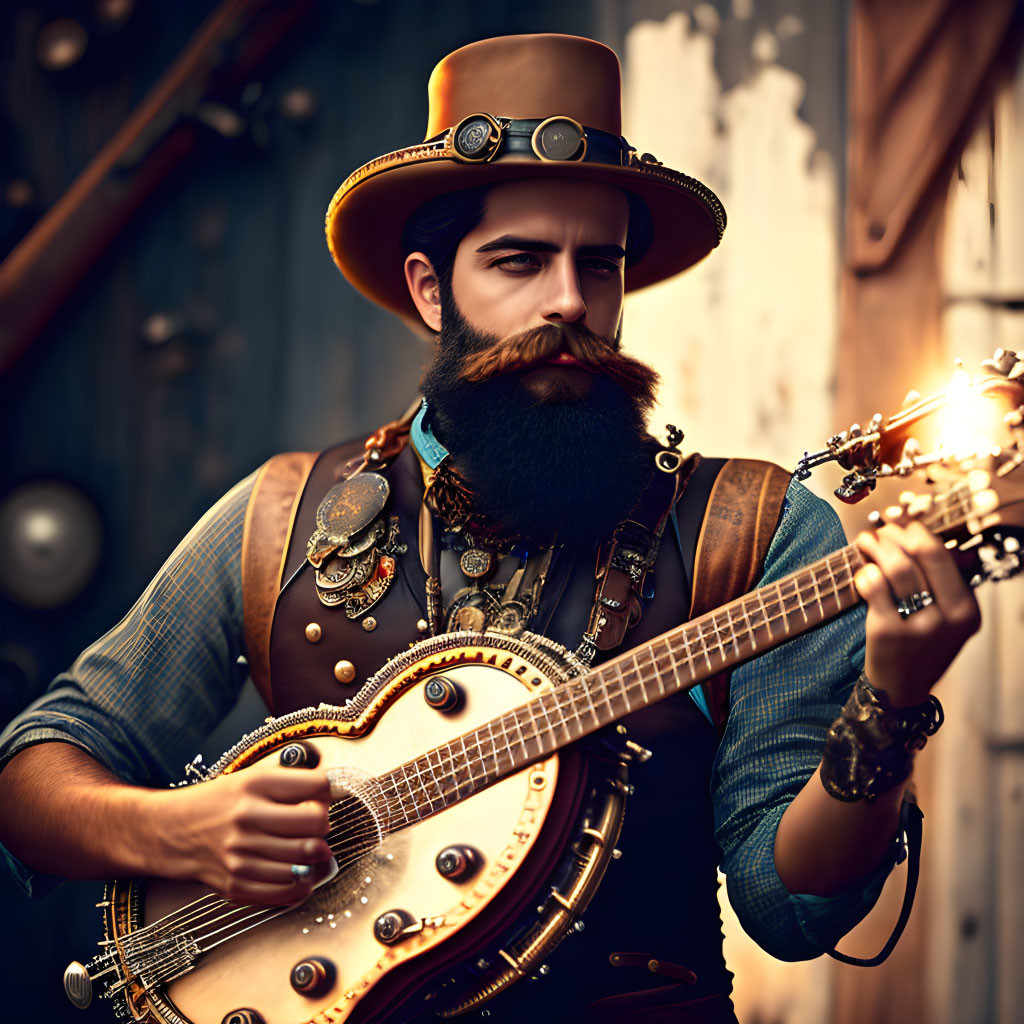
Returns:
point(871, 745)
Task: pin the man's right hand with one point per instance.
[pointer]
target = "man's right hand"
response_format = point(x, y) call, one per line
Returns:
point(63, 813)
point(241, 833)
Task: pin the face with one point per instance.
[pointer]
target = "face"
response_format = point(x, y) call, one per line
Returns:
point(544, 252)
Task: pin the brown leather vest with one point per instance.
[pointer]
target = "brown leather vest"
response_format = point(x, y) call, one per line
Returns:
point(301, 672)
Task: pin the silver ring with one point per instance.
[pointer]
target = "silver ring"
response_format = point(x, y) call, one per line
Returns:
point(909, 605)
point(300, 872)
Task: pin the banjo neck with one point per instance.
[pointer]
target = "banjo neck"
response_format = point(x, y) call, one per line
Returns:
point(672, 663)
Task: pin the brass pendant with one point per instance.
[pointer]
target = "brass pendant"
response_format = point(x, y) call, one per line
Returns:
point(356, 581)
point(477, 564)
point(342, 519)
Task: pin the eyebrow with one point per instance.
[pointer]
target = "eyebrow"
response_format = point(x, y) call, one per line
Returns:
point(535, 245)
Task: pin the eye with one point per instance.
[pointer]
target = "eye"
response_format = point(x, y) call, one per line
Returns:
point(517, 263)
point(599, 266)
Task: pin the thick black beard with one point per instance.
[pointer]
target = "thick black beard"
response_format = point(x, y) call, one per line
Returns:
point(568, 468)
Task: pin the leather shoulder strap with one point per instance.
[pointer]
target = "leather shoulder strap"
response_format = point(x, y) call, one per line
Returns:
point(268, 525)
point(742, 514)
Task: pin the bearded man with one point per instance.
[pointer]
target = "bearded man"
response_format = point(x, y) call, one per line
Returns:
point(512, 234)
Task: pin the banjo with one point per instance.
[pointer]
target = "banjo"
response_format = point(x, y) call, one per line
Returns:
point(457, 870)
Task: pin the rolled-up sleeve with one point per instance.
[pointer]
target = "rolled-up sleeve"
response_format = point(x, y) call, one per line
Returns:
point(143, 697)
point(782, 704)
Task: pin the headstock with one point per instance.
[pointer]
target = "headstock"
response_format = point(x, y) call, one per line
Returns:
point(972, 417)
point(967, 445)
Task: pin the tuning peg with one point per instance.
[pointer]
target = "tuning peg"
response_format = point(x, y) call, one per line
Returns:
point(1002, 361)
point(1017, 370)
point(876, 422)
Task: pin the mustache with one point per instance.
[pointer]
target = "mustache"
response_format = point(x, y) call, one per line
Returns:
point(536, 344)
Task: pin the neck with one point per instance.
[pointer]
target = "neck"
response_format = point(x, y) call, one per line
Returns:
point(672, 663)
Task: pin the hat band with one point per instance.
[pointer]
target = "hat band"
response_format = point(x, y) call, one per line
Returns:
point(483, 138)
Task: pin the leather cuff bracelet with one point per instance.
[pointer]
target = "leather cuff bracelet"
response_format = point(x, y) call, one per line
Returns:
point(871, 745)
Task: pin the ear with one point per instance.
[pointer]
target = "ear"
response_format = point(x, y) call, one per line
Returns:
point(424, 289)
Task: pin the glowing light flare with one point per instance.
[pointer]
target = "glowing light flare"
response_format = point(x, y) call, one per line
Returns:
point(969, 422)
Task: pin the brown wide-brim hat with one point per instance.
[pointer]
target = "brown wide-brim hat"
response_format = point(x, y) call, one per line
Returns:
point(532, 106)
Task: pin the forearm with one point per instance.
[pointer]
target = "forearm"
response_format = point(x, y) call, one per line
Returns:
point(241, 834)
point(63, 813)
point(824, 846)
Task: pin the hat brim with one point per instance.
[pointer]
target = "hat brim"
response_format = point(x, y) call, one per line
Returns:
point(369, 212)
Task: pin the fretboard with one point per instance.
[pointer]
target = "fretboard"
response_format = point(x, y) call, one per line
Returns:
point(671, 663)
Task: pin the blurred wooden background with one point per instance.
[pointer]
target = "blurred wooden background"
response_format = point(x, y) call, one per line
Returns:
point(211, 329)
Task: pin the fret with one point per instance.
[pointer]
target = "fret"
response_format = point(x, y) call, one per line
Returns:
point(835, 582)
point(522, 741)
point(486, 734)
point(688, 640)
point(849, 566)
point(542, 703)
point(599, 699)
point(764, 613)
point(669, 650)
point(732, 631)
point(817, 591)
point(434, 767)
point(751, 628)
point(726, 635)
point(638, 671)
point(703, 643)
point(468, 761)
point(623, 688)
point(650, 671)
point(799, 599)
point(660, 650)
point(404, 793)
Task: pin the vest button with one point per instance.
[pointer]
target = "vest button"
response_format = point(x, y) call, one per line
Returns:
point(314, 632)
point(369, 623)
point(344, 671)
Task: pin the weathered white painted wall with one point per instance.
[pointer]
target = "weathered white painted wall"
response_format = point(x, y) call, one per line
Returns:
point(976, 897)
point(746, 340)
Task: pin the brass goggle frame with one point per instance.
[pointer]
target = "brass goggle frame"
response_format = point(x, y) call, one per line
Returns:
point(476, 139)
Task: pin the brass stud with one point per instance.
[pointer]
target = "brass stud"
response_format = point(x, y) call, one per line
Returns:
point(369, 623)
point(344, 671)
point(421, 625)
point(314, 632)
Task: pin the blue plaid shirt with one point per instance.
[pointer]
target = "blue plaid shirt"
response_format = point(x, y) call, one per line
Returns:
point(143, 697)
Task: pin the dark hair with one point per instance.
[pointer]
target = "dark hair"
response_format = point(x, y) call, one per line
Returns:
point(437, 227)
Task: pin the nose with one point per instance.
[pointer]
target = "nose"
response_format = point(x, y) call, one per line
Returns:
point(564, 302)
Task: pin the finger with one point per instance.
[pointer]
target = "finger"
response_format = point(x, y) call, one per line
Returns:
point(272, 894)
point(291, 785)
point(901, 572)
point(276, 872)
point(873, 587)
point(953, 597)
point(292, 821)
point(284, 851)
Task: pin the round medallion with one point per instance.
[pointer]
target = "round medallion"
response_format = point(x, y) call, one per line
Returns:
point(314, 632)
point(470, 618)
point(511, 619)
point(369, 623)
point(345, 672)
point(476, 564)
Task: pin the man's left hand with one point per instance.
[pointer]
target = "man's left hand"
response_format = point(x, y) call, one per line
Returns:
point(907, 654)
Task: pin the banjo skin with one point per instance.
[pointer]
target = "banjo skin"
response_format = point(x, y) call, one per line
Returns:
point(457, 872)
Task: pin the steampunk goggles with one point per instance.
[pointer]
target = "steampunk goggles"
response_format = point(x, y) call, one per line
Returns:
point(481, 138)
